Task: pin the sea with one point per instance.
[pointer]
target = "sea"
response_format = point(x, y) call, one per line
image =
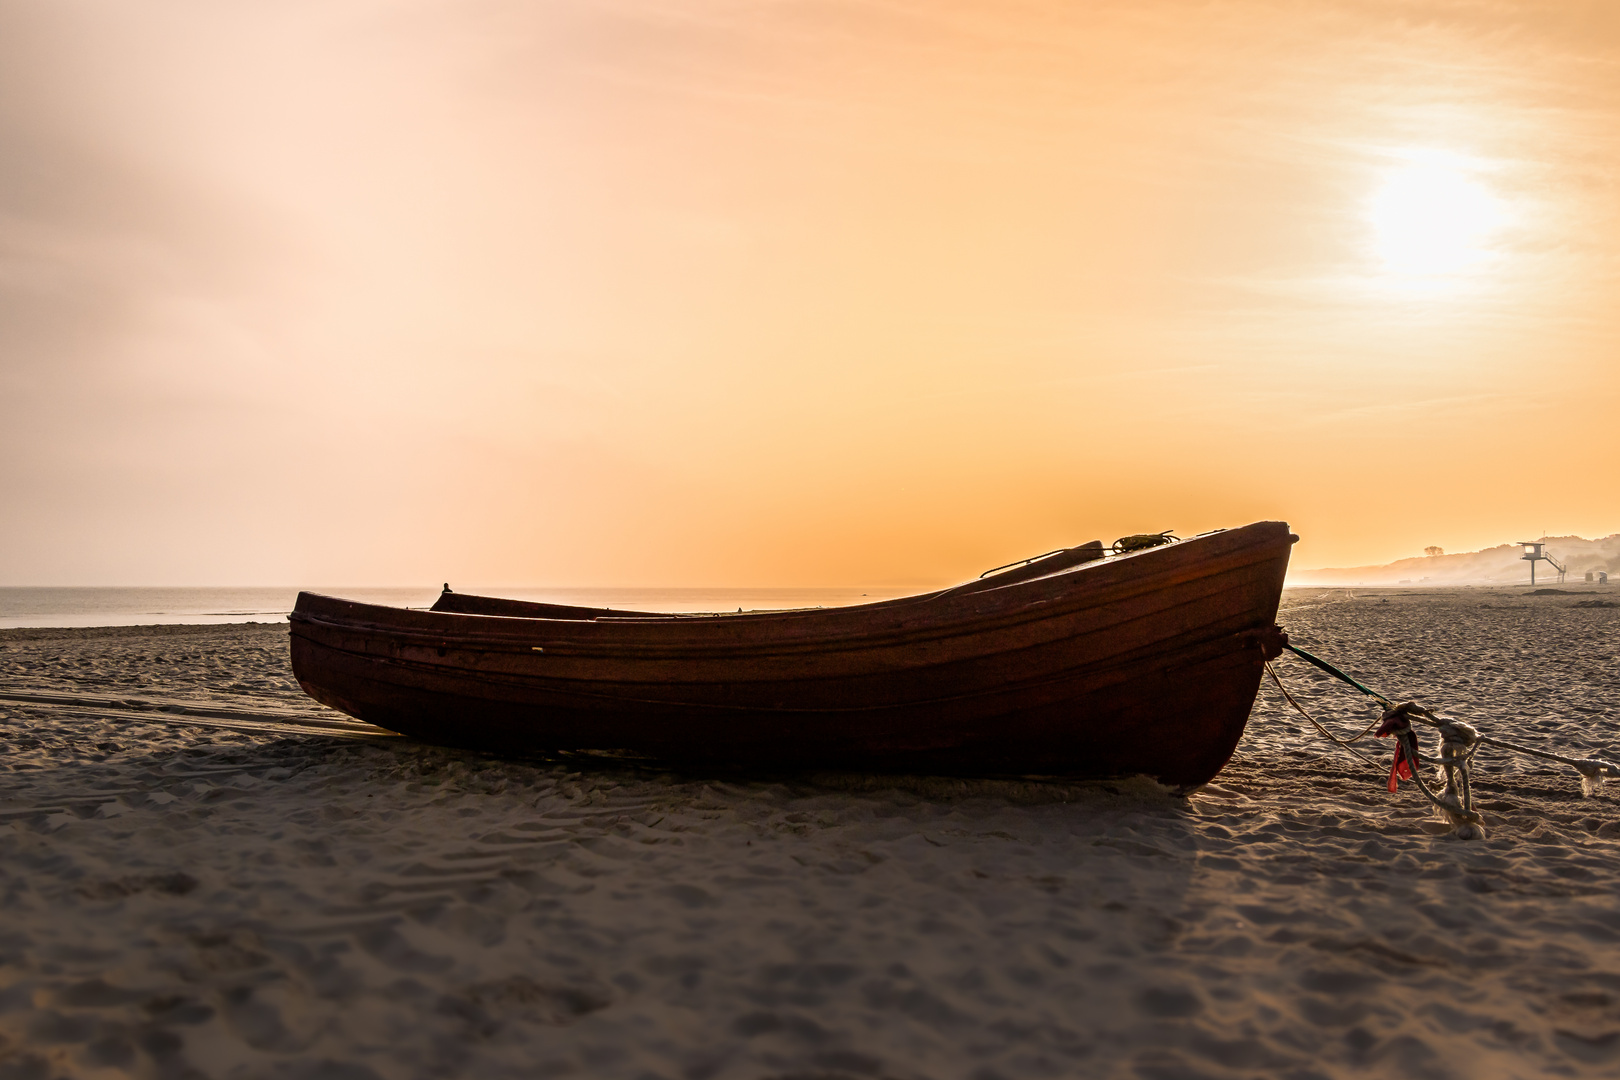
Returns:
point(128, 606)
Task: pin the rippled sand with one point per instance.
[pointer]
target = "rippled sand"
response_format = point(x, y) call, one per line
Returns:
point(196, 884)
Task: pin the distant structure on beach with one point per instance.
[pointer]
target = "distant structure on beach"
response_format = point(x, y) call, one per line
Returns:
point(1499, 565)
point(1534, 554)
point(1431, 551)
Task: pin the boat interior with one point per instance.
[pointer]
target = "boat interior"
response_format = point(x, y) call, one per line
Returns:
point(1052, 562)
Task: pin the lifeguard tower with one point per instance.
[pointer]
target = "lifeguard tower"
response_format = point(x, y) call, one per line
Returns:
point(1533, 553)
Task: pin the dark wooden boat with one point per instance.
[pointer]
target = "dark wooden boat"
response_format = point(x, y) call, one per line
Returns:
point(1074, 664)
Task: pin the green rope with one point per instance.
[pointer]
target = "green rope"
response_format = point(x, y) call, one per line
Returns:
point(1337, 674)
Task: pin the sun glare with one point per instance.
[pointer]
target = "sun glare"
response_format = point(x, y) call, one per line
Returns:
point(1431, 217)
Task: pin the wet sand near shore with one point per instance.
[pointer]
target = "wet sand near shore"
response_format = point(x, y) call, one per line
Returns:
point(194, 884)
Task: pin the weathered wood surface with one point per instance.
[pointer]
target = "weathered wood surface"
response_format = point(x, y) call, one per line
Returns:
point(1144, 663)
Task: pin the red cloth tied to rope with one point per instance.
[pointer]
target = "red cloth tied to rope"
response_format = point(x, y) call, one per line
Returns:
point(1399, 769)
point(1396, 724)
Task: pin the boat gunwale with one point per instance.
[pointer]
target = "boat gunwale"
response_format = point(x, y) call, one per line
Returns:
point(1033, 603)
point(794, 649)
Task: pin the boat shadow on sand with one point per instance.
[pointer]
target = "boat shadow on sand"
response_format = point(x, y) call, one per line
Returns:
point(216, 899)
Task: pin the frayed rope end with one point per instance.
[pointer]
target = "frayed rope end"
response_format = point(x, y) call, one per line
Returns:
point(1465, 824)
point(1592, 774)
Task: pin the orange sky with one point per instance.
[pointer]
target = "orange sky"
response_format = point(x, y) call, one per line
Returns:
point(708, 293)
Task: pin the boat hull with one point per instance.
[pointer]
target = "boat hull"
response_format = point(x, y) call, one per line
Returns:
point(1147, 663)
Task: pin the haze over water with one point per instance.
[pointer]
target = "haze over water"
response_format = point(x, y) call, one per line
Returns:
point(91, 606)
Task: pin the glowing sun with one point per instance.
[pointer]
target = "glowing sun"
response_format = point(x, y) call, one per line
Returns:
point(1432, 217)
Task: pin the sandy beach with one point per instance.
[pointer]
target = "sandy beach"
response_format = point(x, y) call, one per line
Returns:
point(206, 874)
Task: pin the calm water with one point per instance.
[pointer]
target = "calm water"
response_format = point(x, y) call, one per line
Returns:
point(132, 607)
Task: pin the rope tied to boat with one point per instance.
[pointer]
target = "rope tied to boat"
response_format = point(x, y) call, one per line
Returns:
point(1458, 743)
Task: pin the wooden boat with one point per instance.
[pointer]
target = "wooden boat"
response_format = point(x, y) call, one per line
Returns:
point(1079, 663)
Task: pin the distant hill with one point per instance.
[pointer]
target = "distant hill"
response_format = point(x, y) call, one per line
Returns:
point(1493, 566)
